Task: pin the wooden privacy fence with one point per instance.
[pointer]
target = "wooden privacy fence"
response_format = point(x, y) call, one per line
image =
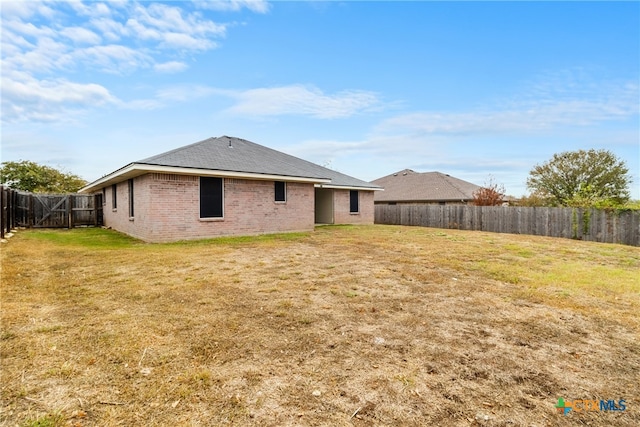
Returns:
point(575, 223)
point(7, 211)
point(20, 209)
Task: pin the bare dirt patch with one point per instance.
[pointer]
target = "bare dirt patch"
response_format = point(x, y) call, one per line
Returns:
point(359, 326)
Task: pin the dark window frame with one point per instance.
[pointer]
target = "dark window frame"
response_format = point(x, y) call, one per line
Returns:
point(354, 201)
point(280, 194)
point(114, 196)
point(211, 197)
point(131, 210)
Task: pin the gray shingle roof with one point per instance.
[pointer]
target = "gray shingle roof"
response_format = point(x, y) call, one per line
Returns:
point(410, 186)
point(234, 155)
point(239, 155)
point(229, 154)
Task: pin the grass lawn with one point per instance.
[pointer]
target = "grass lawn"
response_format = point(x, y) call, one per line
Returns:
point(348, 325)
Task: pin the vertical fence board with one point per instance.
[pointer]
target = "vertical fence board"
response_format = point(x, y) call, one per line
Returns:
point(3, 211)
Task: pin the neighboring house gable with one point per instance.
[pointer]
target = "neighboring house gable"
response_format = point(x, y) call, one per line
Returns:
point(408, 186)
point(228, 186)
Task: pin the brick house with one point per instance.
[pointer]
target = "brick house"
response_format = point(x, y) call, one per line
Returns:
point(228, 186)
point(407, 186)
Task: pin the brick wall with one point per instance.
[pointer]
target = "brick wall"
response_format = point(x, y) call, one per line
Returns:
point(118, 218)
point(341, 206)
point(167, 208)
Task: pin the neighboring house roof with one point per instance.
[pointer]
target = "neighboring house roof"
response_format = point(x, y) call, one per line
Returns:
point(233, 157)
point(410, 186)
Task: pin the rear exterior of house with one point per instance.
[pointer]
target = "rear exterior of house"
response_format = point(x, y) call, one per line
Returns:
point(228, 186)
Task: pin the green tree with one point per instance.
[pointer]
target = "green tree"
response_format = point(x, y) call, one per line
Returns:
point(581, 178)
point(30, 176)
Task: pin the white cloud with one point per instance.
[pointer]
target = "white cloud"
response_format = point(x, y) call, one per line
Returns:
point(183, 93)
point(81, 35)
point(102, 9)
point(258, 6)
point(145, 33)
point(24, 9)
point(16, 9)
point(27, 29)
point(526, 115)
point(153, 30)
point(28, 99)
point(111, 30)
point(14, 44)
point(41, 40)
point(114, 59)
point(302, 100)
point(319, 149)
point(41, 58)
point(262, 102)
point(170, 67)
point(186, 41)
point(170, 95)
point(142, 104)
point(59, 91)
point(161, 22)
point(94, 9)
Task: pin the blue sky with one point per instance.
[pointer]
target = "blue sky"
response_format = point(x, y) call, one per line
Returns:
point(472, 89)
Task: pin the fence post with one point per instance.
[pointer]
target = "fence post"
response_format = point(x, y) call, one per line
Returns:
point(95, 210)
point(31, 214)
point(69, 211)
point(3, 215)
point(13, 196)
point(9, 207)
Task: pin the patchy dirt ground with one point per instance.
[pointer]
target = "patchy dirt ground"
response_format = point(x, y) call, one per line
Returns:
point(346, 326)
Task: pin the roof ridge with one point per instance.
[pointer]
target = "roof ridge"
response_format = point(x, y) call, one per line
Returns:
point(453, 184)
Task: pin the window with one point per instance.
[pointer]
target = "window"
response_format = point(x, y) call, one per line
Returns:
point(354, 205)
point(131, 198)
point(104, 195)
point(211, 197)
point(280, 191)
point(114, 196)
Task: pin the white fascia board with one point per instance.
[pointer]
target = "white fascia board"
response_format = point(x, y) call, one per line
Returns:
point(136, 169)
point(347, 187)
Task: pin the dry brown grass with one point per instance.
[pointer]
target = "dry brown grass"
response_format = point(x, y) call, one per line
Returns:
point(376, 325)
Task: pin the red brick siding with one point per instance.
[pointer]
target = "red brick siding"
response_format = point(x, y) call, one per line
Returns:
point(167, 208)
point(119, 219)
point(341, 206)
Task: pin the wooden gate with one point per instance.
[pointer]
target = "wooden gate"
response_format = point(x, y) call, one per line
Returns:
point(58, 211)
point(50, 211)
